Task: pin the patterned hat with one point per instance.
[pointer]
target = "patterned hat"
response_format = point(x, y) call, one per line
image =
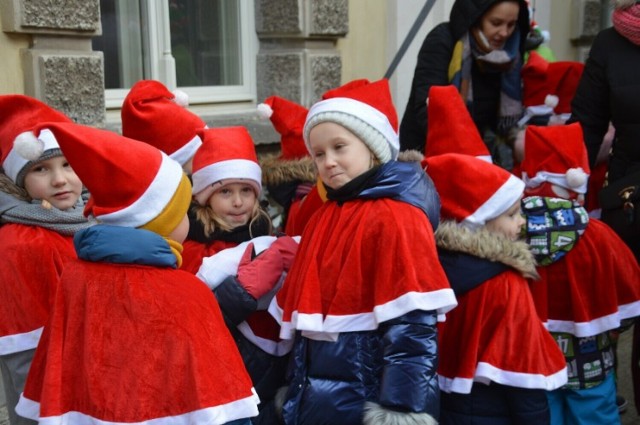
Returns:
point(227, 155)
point(287, 118)
point(365, 109)
point(154, 115)
point(557, 155)
point(131, 183)
point(472, 191)
point(19, 114)
point(451, 129)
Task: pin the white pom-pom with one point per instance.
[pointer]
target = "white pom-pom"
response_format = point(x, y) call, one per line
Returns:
point(551, 100)
point(264, 111)
point(576, 177)
point(28, 146)
point(181, 98)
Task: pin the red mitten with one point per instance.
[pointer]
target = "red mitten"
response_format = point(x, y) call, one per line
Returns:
point(288, 248)
point(260, 274)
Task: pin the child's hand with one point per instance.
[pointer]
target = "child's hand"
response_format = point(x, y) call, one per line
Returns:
point(288, 248)
point(260, 274)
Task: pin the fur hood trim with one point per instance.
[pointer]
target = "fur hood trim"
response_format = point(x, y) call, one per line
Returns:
point(487, 245)
point(10, 188)
point(374, 414)
point(410, 155)
point(276, 170)
point(623, 4)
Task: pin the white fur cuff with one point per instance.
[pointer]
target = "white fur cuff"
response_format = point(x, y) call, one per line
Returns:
point(374, 414)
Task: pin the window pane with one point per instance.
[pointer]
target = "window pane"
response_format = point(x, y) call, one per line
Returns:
point(205, 42)
point(121, 43)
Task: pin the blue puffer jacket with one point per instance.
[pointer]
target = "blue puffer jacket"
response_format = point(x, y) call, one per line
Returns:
point(331, 381)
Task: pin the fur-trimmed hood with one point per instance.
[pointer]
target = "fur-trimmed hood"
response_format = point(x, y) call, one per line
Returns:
point(487, 245)
point(277, 171)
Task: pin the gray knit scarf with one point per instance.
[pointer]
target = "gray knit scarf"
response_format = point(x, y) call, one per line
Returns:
point(22, 211)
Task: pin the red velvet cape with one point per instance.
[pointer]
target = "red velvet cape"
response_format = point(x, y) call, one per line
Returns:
point(32, 262)
point(130, 343)
point(360, 264)
point(495, 335)
point(592, 287)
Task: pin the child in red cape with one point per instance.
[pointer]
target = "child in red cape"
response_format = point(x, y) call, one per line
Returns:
point(131, 338)
point(41, 209)
point(590, 281)
point(362, 298)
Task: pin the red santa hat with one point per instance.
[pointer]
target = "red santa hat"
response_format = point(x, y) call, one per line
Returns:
point(152, 114)
point(131, 183)
point(227, 155)
point(472, 191)
point(366, 109)
point(549, 87)
point(557, 155)
point(287, 118)
point(18, 114)
point(451, 129)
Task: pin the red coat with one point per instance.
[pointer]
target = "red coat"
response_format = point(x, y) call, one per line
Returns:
point(592, 288)
point(193, 252)
point(32, 262)
point(131, 343)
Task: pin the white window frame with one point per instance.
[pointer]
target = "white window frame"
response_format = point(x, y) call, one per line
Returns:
point(156, 41)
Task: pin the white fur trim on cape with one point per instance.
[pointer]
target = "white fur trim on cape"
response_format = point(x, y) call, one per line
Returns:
point(221, 414)
point(314, 326)
point(554, 178)
point(486, 373)
point(359, 110)
point(275, 348)
point(186, 152)
point(374, 414)
point(498, 203)
point(153, 200)
point(28, 145)
point(16, 343)
point(596, 326)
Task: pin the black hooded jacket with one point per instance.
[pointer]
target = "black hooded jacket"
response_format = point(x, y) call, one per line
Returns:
point(432, 69)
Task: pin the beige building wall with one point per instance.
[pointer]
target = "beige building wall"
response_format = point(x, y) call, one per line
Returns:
point(561, 29)
point(363, 50)
point(11, 69)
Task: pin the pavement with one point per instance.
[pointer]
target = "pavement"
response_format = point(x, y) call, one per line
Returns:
point(625, 388)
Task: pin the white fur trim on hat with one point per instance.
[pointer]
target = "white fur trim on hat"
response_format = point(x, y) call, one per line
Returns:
point(365, 121)
point(26, 146)
point(233, 170)
point(153, 201)
point(579, 179)
point(186, 152)
point(264, 111)
point(497, 204)
point(180, 98)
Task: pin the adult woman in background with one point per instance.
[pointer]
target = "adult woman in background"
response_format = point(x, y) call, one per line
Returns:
point(480, 51)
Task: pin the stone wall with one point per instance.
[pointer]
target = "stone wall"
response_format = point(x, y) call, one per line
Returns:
point(60, 67)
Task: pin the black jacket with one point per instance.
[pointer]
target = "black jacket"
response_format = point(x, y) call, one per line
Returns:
point(609, 90)
point(432, 68)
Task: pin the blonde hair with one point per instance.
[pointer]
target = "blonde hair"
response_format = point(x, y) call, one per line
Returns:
point(212, 222)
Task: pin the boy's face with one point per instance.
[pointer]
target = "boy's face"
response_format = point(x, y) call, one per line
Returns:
point(339, 155)
point(53, 180)
point(509, 223)
point(234, 203)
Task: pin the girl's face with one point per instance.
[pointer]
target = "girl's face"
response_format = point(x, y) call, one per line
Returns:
point(499, 22)
point(234, 203)
point(509, 223)
point(53, 180)
point(339, 155)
